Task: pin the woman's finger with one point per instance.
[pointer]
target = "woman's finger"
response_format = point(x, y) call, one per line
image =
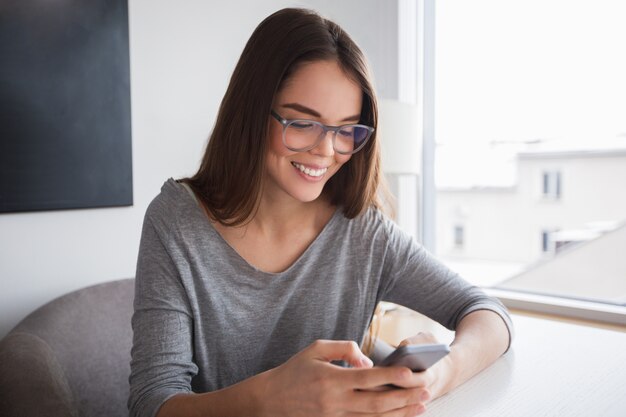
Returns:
point(384, 402)
point(375, 377)
point(333, 350)
point(417, 379)
point(408, 411)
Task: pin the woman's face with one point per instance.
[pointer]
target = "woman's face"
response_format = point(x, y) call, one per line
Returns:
point(316, 91)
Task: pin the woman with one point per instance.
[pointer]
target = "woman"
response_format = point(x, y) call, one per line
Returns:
point(265, 267)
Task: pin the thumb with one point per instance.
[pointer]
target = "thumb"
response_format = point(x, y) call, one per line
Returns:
point(338, 350)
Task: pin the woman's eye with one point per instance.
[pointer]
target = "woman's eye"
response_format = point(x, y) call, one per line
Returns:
point(302, 125)
point(348, 133)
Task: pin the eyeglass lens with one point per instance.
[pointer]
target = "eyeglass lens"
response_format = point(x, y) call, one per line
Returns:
point(303, 134)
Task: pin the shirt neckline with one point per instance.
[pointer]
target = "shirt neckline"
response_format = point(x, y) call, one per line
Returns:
point(189, 192)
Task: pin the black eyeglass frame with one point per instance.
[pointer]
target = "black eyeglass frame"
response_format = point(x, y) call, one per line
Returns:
point(325, 128)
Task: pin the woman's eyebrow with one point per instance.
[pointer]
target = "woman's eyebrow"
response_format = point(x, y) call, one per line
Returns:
point(309, 111)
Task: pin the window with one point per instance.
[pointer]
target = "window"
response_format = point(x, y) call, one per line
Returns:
point(459, 236)
point(523, 96)
point(552, 241)
point(545, 241)
point(552, 184)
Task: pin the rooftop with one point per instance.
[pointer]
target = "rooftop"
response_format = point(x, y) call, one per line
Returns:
point(594, 270)
point(493, 165)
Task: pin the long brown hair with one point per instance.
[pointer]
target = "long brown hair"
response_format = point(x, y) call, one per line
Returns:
point(230, 179)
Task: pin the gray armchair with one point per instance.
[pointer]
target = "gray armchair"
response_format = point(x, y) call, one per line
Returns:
point(70, 357)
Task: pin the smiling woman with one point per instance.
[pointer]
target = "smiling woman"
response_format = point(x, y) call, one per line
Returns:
point(262, 271)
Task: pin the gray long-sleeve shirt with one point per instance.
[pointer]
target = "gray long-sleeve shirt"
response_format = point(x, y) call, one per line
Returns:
point(205, 318)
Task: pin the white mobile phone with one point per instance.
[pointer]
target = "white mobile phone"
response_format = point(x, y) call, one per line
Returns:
point(418, 358)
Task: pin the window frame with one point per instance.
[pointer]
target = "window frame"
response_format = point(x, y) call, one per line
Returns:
point(560, 306)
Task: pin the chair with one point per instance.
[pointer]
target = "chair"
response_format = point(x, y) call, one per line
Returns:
point(70, 357)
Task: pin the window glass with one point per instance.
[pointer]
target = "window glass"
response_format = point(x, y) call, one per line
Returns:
point(530, 125)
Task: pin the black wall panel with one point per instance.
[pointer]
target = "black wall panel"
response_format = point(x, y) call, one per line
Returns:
point(65, 122)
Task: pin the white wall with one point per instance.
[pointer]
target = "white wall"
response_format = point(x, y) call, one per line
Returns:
point(491, 222)
point(182, 55)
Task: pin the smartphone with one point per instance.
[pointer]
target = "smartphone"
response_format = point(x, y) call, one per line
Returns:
point(418, 358)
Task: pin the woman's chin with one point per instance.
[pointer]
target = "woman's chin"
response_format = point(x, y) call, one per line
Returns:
point(306, 197)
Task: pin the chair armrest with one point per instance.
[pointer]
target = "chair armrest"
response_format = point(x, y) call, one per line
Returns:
point(32, 383)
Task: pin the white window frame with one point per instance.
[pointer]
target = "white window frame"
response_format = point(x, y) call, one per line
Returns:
point(544, 304)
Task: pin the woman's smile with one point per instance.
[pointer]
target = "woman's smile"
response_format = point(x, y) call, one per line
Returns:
point(310, 171)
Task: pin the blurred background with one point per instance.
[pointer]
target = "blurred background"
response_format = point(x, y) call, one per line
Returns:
point(181, 58)
point(505, 139)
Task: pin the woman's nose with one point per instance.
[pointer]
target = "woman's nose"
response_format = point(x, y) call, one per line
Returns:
point(325, 145)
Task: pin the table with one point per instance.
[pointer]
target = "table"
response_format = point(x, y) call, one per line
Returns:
point(553, 369)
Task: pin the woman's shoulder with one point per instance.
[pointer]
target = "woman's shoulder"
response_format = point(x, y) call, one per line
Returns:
point(169, 205)
point(373, 221)
point(376, 224)
point(372, 215)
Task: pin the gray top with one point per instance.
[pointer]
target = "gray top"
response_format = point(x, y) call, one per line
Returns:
point(205, 318)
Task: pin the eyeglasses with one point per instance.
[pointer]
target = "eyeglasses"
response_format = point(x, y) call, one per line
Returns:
point(301, 135)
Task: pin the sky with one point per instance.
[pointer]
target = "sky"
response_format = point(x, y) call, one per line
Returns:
point(515, 70)
point(511, 71)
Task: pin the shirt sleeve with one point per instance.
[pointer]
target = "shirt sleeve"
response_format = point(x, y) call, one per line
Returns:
point(162, 353)
point(412, 277)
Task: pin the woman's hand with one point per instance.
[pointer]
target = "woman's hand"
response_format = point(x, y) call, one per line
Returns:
point(481, 338)
point(309, 385)
point(437, 376)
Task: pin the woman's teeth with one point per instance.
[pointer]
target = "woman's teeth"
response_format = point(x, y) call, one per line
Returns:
point(308, 171)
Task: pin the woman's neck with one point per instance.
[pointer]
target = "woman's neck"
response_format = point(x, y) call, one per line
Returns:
point(278, 217)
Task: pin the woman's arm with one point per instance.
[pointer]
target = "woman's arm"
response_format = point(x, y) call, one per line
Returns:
point(237, 400)
point(416, 279)
point(162, 352)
